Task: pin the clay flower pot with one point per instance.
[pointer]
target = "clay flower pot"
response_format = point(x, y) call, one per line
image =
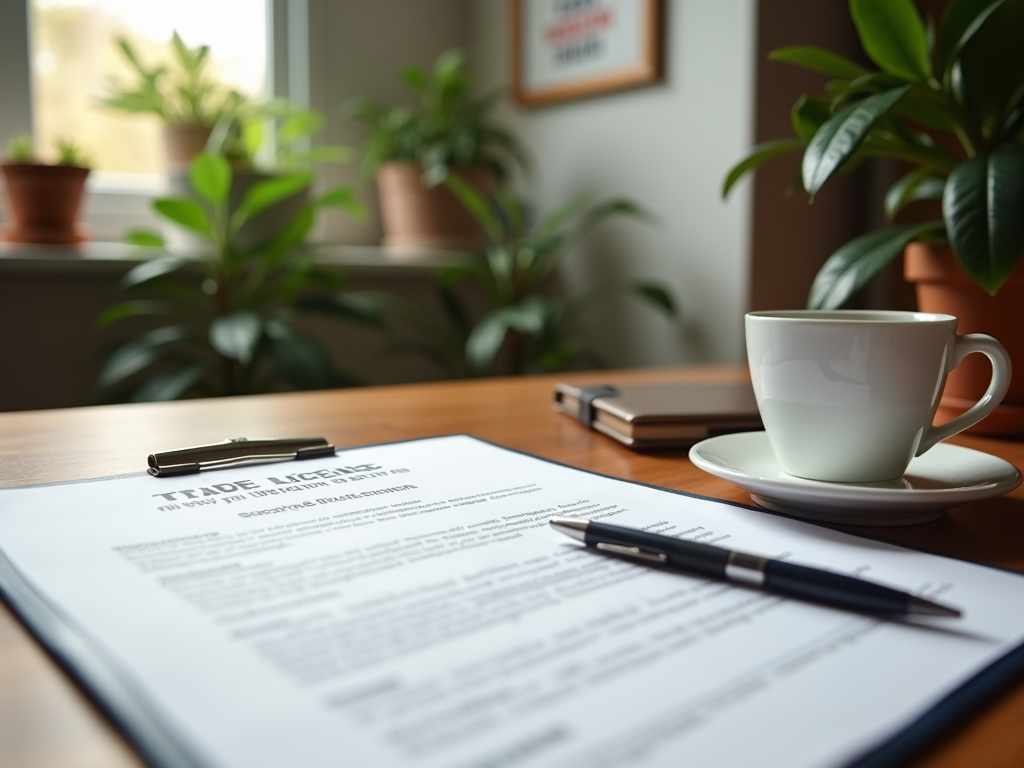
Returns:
point(183, 142)
point(418, 216)
point(43, 202)
point(943, 287)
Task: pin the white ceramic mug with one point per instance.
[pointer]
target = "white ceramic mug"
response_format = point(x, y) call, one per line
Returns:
point(848, 396)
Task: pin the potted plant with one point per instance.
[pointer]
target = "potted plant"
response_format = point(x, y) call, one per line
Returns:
point(183, 94)
point(947, 101)
point(44, 200)
point(526, 325)
point(225, 315)
point(261, 141)
point(411, 150)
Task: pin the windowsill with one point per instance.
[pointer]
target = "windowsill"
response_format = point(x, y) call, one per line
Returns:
point(112, 257)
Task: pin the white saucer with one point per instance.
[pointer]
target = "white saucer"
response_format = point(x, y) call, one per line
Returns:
point(944, 477)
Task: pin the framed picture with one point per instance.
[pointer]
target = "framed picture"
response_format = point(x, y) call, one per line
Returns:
point(567, 49)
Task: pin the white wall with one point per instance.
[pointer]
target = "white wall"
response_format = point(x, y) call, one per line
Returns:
point(666, 146)
point(359, 48)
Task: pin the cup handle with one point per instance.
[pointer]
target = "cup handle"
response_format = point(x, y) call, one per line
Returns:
point(1001, 371)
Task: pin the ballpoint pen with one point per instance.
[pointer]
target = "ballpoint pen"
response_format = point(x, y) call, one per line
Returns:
point(785, 578)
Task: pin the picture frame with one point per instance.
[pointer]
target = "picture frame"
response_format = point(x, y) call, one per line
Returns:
point(571, 49)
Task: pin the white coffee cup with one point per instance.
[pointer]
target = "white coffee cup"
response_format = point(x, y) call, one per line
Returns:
point(848, 396)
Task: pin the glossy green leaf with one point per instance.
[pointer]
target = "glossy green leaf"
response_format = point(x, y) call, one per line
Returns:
point(838, 139)
point(236, 335)
point(264, 194)
point(152, 269)
point(919, 184)
point(849, 268)
point(807, 116)
point(983, 206)
point(962, 19)
point(991, 71)
point(210, 175)
point(144, 239)
point(819, 60)
point(170, 385)
point(893, 34)
point(140, 353)
point(186, 212)
point(761, 153)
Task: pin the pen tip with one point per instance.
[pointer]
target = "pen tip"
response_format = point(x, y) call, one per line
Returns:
point(570, 526)
point(922, 607)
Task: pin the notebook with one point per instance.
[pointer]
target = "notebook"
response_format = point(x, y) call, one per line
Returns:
point(650, 416)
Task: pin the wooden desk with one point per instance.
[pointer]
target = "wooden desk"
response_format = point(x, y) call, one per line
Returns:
point(46, 722)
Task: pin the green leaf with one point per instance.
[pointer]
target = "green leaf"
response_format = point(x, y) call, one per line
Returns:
point(477, 205)
point(359, 306)
point(137, 308)
point(170, 385)
point(139, 353)
point(991, 71)
point(186, 212)
point(761, 153)
point(656, 295)
point(808, 115)
point(415, 78)
point(152, 269)
point(819, 60)
point(839, 138)
point(302, 361)
point(236, 335)
point(894, 36)
point(850, 267)
point(529, 316)
point(210, 174)
point(343, 198)
point(919, 184)
point(961, 21)
point(294, 232)
point(264, 194)
point(485, 341)
point(983, 206)
point(144, 239)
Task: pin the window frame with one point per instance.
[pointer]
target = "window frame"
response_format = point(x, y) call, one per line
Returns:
point(111, 209)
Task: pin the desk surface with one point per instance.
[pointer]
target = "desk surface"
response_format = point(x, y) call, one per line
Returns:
point(45, 720)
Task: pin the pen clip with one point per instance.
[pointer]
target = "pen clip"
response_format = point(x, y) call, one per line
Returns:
point(235, 452)
point(634, 552)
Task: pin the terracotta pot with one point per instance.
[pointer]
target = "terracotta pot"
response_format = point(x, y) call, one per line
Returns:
point(418, 216)
point(43, 202)
point(183, 142)
point(943, 287)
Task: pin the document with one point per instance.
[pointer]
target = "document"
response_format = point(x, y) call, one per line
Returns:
point(408, 605)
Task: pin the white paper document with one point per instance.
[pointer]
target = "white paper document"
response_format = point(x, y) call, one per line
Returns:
point(408, 605)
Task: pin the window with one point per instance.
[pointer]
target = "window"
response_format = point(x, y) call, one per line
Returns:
point(57, 57)
point(76, 61)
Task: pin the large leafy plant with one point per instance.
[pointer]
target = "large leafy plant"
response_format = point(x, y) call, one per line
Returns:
point(224, 314)
point(526, 325)
point(949, 101)
point(273, 136)
point(448, 127)
point(181, 92)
